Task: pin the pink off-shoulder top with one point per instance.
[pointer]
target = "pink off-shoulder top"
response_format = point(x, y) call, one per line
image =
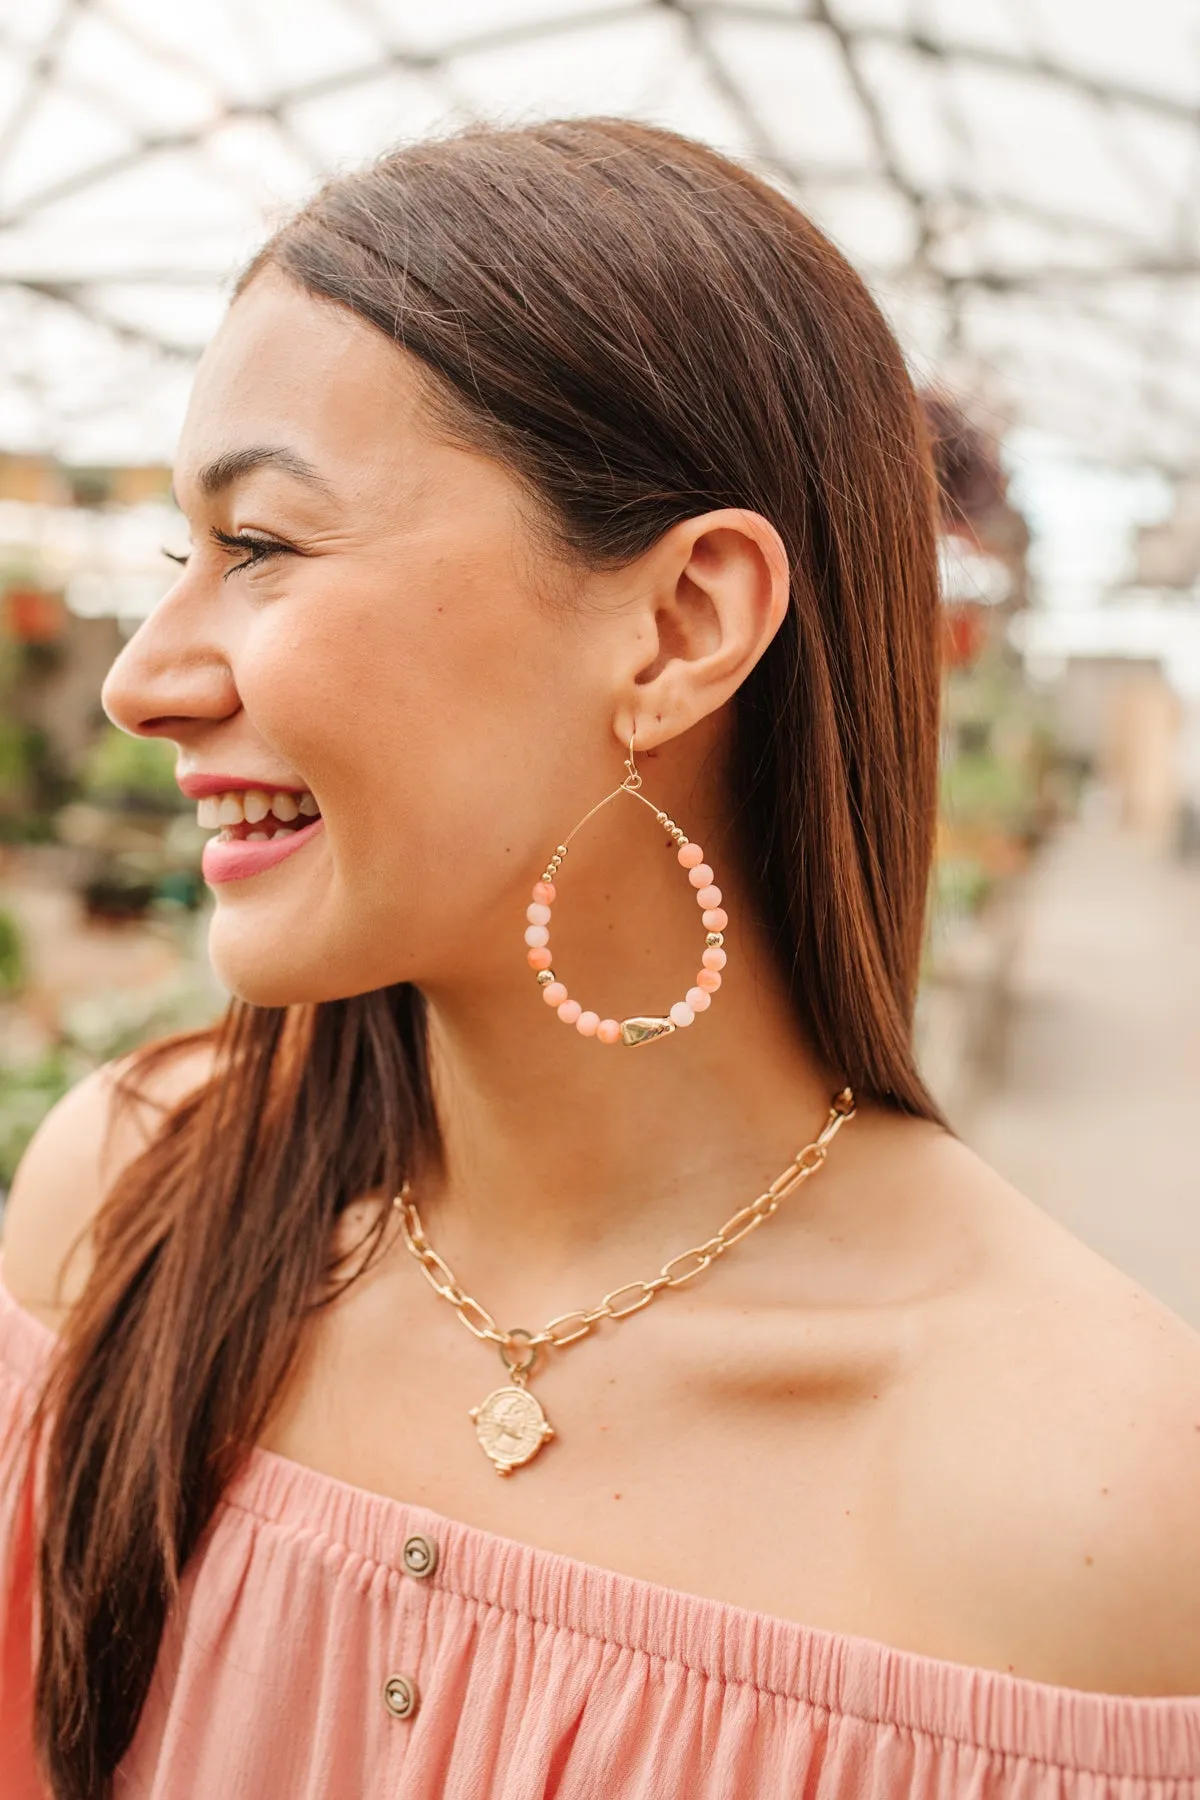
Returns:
point(334, 1644)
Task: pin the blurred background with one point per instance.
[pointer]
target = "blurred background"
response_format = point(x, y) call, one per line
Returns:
point(1019, 182)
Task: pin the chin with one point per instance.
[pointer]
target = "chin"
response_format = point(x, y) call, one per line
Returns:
point(263, 974)
point(266, 987)
point(287, 965)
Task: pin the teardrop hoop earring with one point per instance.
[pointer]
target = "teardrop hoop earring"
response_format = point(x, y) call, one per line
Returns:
point(644, 1028)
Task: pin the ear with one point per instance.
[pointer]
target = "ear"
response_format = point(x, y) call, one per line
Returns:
point(708, 598)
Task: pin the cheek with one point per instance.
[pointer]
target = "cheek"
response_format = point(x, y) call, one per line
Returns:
point(385, 660)
point(421, 720)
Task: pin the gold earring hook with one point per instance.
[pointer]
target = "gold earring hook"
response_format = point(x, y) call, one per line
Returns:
point(632, 780)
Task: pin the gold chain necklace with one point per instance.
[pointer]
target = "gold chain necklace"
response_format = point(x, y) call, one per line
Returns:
point(510, 1423)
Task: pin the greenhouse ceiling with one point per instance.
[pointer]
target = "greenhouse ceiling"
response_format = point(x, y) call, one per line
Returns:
point(1018, 179)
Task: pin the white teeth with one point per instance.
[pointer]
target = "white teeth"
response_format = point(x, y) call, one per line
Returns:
point(257, 837)
point(254, 806)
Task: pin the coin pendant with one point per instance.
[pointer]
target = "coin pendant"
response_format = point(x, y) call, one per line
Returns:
point(511, 1427)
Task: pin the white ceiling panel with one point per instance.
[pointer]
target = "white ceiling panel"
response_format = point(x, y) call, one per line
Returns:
point(1019, 179)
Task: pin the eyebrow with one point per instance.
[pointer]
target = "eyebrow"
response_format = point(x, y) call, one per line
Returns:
point(224, 470)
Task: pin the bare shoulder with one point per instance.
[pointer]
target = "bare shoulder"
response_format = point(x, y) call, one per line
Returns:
point(1062, 1407)
point(78, 1153)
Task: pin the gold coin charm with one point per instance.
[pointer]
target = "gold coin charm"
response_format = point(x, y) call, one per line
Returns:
point(510, 1424)
point(512, 1427)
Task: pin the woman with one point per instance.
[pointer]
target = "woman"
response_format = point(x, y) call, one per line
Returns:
point(526, 468)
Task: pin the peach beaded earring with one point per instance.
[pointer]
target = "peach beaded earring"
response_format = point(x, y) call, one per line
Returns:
point(645, 1028)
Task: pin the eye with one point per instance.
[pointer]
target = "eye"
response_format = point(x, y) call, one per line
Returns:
point(257, 549)
point(175, 556)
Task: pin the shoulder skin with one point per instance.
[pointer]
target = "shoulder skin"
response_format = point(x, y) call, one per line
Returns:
point(78, 1152)
point(1059, 1428)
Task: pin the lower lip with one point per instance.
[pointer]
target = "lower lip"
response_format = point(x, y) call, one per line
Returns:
point(233, 859)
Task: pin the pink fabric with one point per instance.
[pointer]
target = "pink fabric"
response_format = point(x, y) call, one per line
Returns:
point(538, 1675)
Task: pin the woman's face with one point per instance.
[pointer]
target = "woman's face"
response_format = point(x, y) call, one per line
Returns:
point(379, 650)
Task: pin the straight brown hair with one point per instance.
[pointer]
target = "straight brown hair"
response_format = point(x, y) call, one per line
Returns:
point(642, 331)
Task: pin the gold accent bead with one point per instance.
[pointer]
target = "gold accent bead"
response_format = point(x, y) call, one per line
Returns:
point(545, 977)
point(560, 850)
point(714, 940)
point(645, 1030)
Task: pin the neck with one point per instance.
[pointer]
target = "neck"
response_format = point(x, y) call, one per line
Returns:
point(567, 1162)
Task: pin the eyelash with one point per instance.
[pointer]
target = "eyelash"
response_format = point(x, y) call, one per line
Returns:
point(259, 549)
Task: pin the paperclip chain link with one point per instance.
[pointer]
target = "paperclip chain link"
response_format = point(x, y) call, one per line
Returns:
point(519, 1348)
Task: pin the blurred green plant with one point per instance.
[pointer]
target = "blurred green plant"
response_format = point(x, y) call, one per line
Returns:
point(128, 769)
point(12, 955)
point(91, 1032)
point(14, 758)
point(26, 1095)
point(980, 786)
point(961, 885)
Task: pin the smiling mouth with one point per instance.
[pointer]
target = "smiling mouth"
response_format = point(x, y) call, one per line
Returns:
point(256, 815)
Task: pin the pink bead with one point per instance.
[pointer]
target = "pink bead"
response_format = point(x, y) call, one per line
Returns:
point(569, 1011)
point(536, 935)
point(544, 893)
point(698, 999)
point(555, 992)
point(681, 1014)
point(701, 876)
point(709, 898)
point(537, 914)
point(539, 957)
point(690, 855)
point(587, 1024)
point(715, 919)
point(714, 957)
point(708, 979)
point(608, 1031)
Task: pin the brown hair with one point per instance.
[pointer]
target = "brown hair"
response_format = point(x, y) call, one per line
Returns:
point(642, 331)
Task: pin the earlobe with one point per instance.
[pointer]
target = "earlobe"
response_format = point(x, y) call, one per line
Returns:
point(719, 589)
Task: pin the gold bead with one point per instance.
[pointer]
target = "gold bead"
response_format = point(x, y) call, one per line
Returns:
point(560, 850)
point(714, 940)
point(545, 977)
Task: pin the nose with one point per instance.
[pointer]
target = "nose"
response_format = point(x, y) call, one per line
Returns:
point(171, 679)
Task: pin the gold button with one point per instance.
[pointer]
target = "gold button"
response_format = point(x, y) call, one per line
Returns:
point(420, 1556)
point(400, 1696)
